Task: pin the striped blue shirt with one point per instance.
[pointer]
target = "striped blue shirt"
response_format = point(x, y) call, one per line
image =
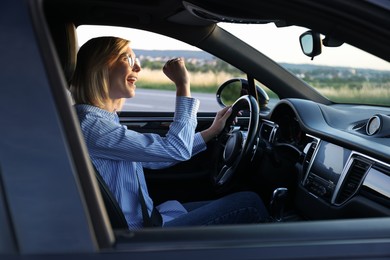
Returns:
point(120, 154)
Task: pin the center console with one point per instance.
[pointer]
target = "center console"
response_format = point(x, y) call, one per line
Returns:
point(340, 183)
point(324, 168)
point(324, 164)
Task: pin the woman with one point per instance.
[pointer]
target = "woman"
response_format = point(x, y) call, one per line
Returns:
point(106, 73)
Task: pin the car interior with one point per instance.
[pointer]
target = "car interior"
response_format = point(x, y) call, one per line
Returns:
point(307, 157)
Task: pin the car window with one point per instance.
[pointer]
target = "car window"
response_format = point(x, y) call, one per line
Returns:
point(155, 92)
point(343, 74)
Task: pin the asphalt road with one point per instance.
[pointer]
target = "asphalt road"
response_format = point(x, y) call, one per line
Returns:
point(164, 100)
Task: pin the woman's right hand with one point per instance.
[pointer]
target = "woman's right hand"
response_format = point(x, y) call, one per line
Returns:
point(176, 71)
point(218, 124)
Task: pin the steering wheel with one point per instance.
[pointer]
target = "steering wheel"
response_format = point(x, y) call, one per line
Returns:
point(240, 145)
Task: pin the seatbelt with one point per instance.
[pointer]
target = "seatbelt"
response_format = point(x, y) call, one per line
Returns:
point(115, 213)
point(155, 220)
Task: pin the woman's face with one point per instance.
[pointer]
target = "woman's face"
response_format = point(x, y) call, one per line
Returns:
point(122, 77)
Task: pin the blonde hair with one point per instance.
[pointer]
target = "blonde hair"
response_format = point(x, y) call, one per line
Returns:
point(90, 80)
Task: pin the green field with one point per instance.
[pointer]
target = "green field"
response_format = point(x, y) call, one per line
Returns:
point(340, 91)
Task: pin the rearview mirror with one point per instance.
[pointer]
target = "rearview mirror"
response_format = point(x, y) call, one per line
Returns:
point(310, 43)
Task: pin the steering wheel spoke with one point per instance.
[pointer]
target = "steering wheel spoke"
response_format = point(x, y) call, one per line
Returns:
point(239, 144)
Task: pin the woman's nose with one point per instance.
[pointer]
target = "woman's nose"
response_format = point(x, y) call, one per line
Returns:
point(137, 67)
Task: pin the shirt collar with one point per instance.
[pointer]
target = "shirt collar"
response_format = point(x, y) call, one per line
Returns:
point(88, 109)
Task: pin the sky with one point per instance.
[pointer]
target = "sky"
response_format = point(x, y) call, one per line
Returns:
point(283, 47)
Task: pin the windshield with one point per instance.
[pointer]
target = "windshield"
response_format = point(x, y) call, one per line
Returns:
point(343, 74)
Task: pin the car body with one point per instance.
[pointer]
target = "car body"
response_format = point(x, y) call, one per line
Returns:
point(50, 202)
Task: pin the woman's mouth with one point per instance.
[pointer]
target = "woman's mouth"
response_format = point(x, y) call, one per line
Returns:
point(132, 80)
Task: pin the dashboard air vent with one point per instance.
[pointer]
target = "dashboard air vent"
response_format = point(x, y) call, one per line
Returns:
point(352, 180)
point(309, 155)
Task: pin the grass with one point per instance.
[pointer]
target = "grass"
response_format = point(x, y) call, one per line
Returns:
point(366, 93)
point(200, 82)
point(208, 82)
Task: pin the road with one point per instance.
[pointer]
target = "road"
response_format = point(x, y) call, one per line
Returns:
point(164, 100)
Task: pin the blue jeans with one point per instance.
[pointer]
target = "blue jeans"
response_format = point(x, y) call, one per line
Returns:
point(237, 208)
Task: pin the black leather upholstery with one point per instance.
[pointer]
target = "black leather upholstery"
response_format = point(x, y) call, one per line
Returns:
point(65, 40)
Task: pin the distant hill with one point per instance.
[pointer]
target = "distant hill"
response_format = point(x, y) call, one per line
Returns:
point(311, 67)
point(200, 55)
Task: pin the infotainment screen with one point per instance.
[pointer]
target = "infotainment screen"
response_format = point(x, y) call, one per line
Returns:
point(329, 161)
point(326, 169)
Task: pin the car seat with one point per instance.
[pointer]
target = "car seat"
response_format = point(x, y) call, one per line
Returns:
point(65, 39)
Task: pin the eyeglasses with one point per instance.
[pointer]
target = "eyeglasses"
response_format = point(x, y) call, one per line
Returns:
point(133, 61)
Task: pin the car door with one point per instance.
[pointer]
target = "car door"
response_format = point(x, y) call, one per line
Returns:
point(49, 203)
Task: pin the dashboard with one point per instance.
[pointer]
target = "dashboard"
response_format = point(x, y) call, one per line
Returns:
point(344, 169)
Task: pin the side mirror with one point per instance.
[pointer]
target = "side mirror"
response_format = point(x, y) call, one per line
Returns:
point(310, 43)
point(233, 89)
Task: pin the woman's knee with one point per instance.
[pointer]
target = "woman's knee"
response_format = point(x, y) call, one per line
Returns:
point(250, 199)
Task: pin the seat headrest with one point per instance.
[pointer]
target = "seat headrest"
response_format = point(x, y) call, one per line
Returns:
point(65, 39)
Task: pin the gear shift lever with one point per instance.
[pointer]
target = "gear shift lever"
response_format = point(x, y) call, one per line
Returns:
point(277, 203)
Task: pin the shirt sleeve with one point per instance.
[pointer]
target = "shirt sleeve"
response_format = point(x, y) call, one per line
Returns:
point(198, 146)
point(109, 140)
